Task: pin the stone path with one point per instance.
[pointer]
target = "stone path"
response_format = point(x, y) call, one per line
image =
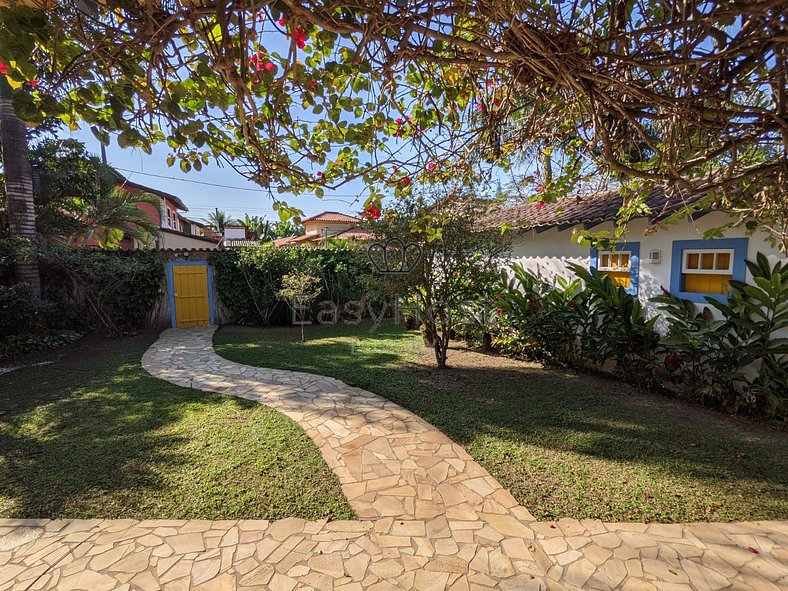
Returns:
point(430, 517)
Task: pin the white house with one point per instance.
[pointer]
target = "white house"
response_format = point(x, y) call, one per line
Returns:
point(650, 258)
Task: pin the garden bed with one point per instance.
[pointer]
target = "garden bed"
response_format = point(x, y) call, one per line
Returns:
point(94, 435)
point(565, 444)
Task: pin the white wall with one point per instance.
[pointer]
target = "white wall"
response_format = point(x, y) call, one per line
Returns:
point(169, 240)
point(551, 251)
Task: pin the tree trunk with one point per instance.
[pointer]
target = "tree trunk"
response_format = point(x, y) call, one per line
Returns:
point(19, 190)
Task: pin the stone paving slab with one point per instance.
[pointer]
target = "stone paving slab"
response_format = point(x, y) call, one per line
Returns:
point(430, 517)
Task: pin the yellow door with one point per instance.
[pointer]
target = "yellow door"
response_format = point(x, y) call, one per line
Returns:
point(192, 304)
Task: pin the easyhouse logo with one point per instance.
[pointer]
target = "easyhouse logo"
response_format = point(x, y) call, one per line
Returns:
point(394, 257)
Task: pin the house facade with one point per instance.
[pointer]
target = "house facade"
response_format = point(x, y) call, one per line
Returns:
point(649, 258)
point(175, 230)
point(324, 226)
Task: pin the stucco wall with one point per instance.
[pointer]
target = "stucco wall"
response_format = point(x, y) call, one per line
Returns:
point(551, 251)
point(169, 240)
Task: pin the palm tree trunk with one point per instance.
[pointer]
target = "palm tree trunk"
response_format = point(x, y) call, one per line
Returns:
point(19, 190)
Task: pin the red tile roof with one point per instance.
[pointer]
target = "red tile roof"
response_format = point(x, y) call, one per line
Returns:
point(581, 209)
point(332, 216)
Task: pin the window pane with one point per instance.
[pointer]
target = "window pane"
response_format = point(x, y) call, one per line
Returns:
point(692, 260)
point(706, 283)
point(723, 261)
point(605, 262)
point(707, 260)
point(625, 261)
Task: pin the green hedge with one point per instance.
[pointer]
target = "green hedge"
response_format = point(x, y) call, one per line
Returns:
point(104, 290)
point(248, 279)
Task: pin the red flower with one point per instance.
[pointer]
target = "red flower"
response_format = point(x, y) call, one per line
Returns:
point(270, 67)
point(400, 121)
point(370, 213)
point(300, 38)
point(3, 68)
point(672, 361)
point(539, 204)
point(480, 107)
point(489, 83)
point(33, 83)
point(394, 169)
point(281, 21)
point(431, 166)
point(319, 173)
point(405, 181)
point(496, 102)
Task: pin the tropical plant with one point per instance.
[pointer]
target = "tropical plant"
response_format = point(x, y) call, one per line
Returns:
point(258, 227)
point(219, 219)
point(110, 215)
point(621, 331)
point(739, 360)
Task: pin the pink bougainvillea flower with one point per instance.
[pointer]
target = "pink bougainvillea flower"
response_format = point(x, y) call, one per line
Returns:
point(539, 204)
point(539, 188)
point(405, 181)
point(753, 550)
point(399, 121)
point(489, 83)
point(281, 21)
point(431, 166)
point(319, 173)
point(394, 168)
point(496, 102)
point(479, 107)
point(300, 37)
point(3, 68)
point(270, 67)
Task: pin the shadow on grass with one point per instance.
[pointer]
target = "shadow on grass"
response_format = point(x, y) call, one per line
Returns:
point(565, 444)
point(94, 435)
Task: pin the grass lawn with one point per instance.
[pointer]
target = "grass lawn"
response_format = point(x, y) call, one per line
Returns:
point(566, 445)
point(93, 435)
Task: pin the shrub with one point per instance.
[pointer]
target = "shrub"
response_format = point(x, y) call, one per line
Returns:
point(14, 345)
point(249, 279)
point(580, 327)
point(98, 289)
point(739, 361)
point(21, 313)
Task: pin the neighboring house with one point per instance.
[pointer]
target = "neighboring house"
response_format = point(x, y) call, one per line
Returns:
point(650, 258)
point(175, 231)
point(324, 226)
point(238, 236)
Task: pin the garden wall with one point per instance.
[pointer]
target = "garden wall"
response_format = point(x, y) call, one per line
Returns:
point(161, 313)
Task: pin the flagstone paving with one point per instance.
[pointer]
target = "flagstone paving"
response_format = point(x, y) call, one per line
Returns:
point(430, 518)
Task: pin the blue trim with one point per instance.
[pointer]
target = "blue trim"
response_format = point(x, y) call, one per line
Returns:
point(171, 286)
point(739, 246)
point(634, 263)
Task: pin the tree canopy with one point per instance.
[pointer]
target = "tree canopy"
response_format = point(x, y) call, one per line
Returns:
point(304, 95)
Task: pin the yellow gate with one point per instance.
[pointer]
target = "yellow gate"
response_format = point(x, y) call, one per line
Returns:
point(190, 295)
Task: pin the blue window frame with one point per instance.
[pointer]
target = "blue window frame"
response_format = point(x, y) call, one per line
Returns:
point(171, 286)
point(633, 248)
point(738, 270)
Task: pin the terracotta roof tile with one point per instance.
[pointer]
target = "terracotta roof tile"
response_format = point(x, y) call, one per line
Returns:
point(331, 216)
point(581, 209)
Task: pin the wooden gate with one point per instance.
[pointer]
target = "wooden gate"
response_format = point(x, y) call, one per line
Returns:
point(191, 294)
